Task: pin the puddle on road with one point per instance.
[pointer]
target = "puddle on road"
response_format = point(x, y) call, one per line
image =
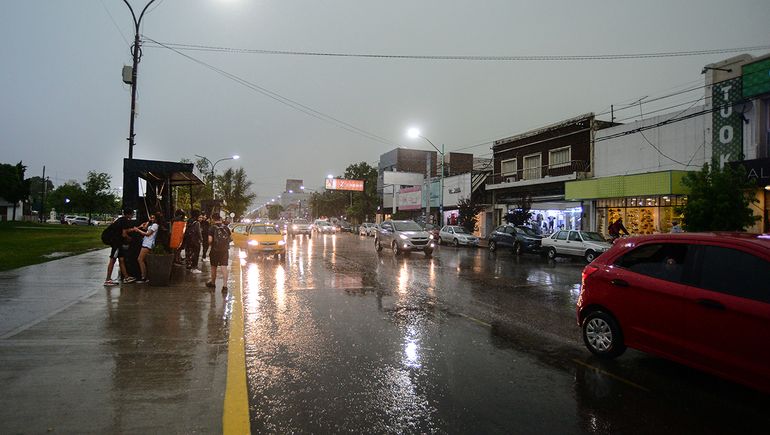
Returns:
point(56, 254)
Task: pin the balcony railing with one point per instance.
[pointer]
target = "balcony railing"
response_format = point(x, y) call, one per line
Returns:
point(540, 172)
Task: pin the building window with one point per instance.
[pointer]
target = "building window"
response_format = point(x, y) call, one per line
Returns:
point(508, 168)
point(532, 164)
point(560, 157)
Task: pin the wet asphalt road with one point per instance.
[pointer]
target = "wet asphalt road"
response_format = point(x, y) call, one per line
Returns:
point(340, 338)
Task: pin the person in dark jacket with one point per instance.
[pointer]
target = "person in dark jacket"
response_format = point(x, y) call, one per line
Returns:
point(616, 228)
point(192, 241)
point(205, 231)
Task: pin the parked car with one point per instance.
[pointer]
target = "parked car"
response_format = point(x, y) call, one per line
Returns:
point(321, 226)
point(299, 226)
point(344, 227)
point(586, 244)
point(702, 300)
point(79, 220)
point(367, 229)
point(259, 239)
point(404, 236)
point(519, 238)
point(457, 235)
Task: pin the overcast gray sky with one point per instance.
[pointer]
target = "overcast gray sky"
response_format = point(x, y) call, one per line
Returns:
point(63, 103)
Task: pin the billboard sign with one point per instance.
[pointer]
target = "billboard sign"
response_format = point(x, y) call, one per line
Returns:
point(727, 131)
point(403, 178)
point(344, 184)
point(410, 198)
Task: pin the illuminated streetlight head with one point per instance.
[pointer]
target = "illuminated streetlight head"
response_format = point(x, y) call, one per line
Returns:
point(330, 176)
point(236, 157)
point(414, 133)
point(302, 187)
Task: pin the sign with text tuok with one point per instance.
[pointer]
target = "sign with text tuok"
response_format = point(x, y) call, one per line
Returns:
point(344, 184)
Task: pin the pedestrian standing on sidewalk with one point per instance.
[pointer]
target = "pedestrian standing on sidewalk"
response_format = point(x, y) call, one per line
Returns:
point(119, 245)
point(193, 238)
point(219, 240)
point(205, 224)
point(149, 230)
point(176, 225)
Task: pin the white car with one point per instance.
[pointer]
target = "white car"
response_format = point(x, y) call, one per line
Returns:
point(366, 229)
point(457, 235)
point(586, 244)
point(78, 220)
point(324, 227)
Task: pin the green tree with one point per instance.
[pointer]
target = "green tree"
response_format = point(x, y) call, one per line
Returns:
point(96, 196)
point(468, 217)
point(36, 189)
point(720, 199)
point(274, 211)
point(66, 199)
point(235, 189)
point(364, 203)
point(189, 197)
point(329, 203)
point(13, 186)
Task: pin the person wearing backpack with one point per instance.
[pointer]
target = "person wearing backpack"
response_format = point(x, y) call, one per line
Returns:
point(192, 242)
point(219, 240)
point(117, 236)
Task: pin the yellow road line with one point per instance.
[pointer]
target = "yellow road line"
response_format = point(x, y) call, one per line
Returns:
point(235, 418)
point(480, 322)
point(616, 377)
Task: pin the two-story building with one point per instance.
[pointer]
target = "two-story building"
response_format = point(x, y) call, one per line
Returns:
point(533, 168)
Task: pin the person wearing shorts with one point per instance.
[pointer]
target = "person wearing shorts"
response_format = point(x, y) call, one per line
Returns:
point(118, 250)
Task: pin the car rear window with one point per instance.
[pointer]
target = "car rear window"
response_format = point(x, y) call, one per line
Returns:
point(661, 260)
point(736, 273)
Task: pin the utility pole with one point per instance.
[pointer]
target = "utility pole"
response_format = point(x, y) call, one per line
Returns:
point(42, 202)
point(136, 51)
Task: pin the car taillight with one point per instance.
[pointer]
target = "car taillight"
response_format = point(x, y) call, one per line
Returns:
point(587, 271)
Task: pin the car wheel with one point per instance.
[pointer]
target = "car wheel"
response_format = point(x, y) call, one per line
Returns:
point(602, 335)
point(455, 243)
point(517, 248)
point(551, 253)
point(377, 245)
point(590, 256)
point(492, 246)
point(428, 253)
point(396, 251)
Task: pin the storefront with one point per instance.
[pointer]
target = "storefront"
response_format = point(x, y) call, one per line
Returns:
point(648, 203)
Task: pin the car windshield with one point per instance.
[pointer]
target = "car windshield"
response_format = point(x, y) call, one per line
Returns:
point(527, 231)
point(591, 237)
point(406, 226)
point(459, 230)
point(300, 221)
point(263, 229)
point(322, 223)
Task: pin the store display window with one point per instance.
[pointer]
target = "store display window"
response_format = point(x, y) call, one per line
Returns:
point(641, 215)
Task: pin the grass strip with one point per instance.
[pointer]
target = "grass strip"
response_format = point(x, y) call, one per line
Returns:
point(26, 243)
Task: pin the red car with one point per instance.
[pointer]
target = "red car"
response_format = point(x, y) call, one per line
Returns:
point(701, 299)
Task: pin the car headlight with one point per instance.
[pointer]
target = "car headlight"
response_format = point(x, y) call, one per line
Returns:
point(281, 242)
point(430, 236)
point(294, 227)
point(404, 237)
point(253, 243)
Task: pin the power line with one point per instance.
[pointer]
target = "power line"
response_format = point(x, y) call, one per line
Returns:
point(284, 100)
point(513, 58)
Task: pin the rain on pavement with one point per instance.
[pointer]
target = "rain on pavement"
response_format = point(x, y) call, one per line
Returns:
point(340, 338)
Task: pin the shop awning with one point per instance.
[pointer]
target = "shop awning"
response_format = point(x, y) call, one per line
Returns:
point(621, 186)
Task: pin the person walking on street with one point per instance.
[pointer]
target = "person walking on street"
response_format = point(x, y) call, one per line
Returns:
point(149, 230)
point(219, 240)
point(205, 224)
point(193, 238)
point(119, 245)
point(616, 228)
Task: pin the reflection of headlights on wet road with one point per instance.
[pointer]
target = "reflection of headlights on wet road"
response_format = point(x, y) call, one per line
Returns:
point(281, 242)
point(403, 236)
point(253, 243)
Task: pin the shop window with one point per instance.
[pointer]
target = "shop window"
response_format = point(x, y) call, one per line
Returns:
point(532, 165)
point(560, 157)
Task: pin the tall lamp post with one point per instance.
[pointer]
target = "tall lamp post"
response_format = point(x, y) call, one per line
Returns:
point(414, 133)
point(213, 165)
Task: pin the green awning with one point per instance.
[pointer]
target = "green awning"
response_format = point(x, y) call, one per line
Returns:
point(621, 186)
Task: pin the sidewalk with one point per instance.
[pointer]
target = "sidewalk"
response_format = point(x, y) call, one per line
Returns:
point(77, 357)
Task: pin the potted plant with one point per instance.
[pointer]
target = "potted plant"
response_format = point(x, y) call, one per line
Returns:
point(159, 264)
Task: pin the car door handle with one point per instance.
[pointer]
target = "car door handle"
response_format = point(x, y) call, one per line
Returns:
point(619, 283)
point(710, 303)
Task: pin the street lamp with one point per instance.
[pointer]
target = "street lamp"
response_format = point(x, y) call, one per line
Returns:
point(414, 133)
point(213, 165)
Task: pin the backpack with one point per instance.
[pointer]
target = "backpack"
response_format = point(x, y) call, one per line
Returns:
point(221, 237)
point(112, 235)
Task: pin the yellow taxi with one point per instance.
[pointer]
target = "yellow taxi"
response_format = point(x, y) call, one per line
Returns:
point(259, 239)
